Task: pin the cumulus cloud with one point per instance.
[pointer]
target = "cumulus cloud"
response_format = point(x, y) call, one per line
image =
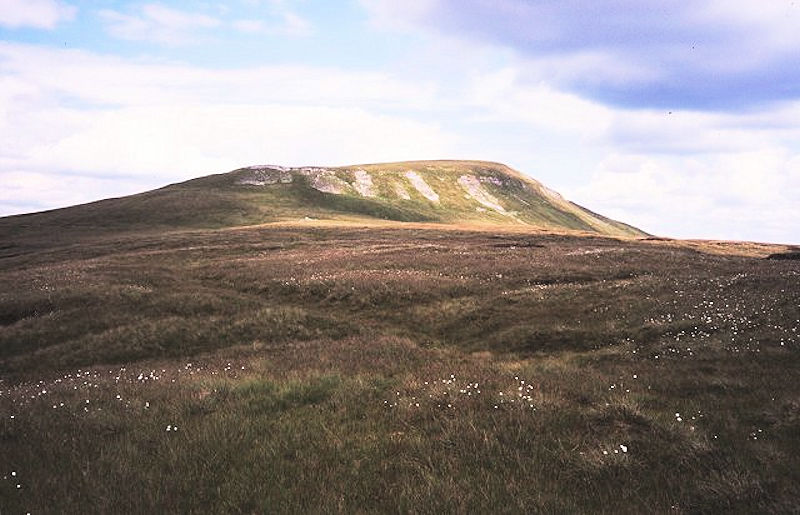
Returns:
point(121, 151)
point(137, 125)
point(157, 23)
point(736, 195)
point(39, 14)
point(187, 141)
point(681, 172)
point(711, 54)
point(162, 24)
point(287, 24)
point(680, 118)
point(46, 75)
point(503, 97)
point(26, 191)
point(282, 19)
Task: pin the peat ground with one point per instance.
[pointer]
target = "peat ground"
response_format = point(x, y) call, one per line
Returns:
point(397, 368)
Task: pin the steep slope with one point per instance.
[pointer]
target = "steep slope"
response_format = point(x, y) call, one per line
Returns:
point(421, 191)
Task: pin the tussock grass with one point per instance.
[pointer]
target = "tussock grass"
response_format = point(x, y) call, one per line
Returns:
point(346, 369)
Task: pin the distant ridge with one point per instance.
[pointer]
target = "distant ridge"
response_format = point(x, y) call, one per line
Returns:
point(448, 192)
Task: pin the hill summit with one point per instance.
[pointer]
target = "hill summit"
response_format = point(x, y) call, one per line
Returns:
point(447, 192)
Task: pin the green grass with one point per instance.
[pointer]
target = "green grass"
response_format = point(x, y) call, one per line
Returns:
point(319, 429)
point(334, 369)
point(219, 201)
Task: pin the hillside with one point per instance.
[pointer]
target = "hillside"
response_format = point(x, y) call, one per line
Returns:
point(173, 343)
point(425, 191)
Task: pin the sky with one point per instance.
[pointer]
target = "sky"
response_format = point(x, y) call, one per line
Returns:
point(681, 118)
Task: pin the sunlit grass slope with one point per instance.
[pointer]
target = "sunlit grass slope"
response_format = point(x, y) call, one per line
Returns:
point(426, 191)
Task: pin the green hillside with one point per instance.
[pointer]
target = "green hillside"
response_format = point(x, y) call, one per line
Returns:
point(421, 191)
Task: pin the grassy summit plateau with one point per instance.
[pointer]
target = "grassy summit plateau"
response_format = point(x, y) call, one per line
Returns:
point(448, 192)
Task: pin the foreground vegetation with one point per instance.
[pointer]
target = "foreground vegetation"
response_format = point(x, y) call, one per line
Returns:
point(397, 368)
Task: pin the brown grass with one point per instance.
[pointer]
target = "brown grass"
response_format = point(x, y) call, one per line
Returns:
point(334, 367)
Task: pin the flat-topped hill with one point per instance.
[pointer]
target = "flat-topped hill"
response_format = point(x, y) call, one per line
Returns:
point(449, 192)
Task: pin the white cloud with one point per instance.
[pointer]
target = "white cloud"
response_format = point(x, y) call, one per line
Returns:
point(284, 20)
point(25, 192)
point(683, 173)
point(687, 174)
point(40, 14)
point(288, 24)
point(98, 79)
point(502, 97)
point(166, 25)
point(294, 24)
point(123, 151)
point(148, 124)
point(187, 141)
point(747, 195)
point(707, 53)
point(158, 23)
point(390, 13)
point(764, 27)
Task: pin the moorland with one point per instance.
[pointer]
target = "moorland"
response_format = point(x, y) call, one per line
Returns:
point(373, 365)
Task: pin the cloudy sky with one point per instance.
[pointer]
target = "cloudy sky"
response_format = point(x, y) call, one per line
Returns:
point(682, 118)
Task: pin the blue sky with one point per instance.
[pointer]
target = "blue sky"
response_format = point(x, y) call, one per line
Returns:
point(682, 118)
